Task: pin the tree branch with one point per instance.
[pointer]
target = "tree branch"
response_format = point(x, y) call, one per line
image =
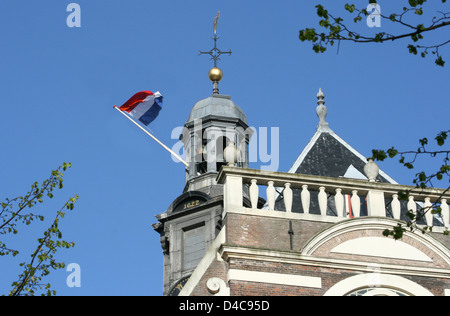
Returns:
point(338, 31)
point(391, 37)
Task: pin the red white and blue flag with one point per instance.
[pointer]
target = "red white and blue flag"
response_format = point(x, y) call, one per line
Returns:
point(144, 106)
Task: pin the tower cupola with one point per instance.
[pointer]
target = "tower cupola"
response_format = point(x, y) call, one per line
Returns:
point(214, 124)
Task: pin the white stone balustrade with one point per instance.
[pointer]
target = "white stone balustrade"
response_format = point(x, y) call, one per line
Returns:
point(338, 191)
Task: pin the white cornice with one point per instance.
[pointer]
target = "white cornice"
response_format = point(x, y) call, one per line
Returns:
point(229, 252)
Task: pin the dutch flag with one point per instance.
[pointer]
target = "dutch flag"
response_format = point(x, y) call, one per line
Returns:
point(144, 106)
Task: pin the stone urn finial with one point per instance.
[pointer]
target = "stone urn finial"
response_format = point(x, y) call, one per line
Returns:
point(321, 110)
point(371, 170)
point(230, 154)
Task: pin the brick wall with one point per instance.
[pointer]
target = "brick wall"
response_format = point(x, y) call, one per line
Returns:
point(269, 233)
point(266, 233)
point(329, 277)
point(217, 269)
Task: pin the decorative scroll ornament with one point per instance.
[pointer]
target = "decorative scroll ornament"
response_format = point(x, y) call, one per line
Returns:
point(218, 287)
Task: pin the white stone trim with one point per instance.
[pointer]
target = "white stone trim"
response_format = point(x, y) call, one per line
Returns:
point(381, 247)
point(228, 252)
point(382, 280)
point(282, 215)
point(275, 278)
point(364, 223)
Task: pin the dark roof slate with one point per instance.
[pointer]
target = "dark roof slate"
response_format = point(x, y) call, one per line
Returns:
point(330, 156)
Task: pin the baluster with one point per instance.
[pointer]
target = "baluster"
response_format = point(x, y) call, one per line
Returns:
point(322, 201)
point(306, 199)
point(339, 201)
point(412, 207)
point(445, 212)
point(395, 205)
point(356, 203)
point(254, 193)
point(427, 207)
point(287, 194)
point(270, 192)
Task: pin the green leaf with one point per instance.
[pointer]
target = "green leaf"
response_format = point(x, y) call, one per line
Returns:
point(420, 27)
point(412, 49)
point(439, 61)
point(350, 8)
point(410, 215)
point(378, 154)
point(441, 137)
point(321, 12)
point(357, 19)
point(392, 152)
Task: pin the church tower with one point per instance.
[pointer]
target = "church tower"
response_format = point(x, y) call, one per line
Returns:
point(216, 133)
point(322, 231)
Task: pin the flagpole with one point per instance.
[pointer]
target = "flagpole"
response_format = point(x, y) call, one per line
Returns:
point(164, 146)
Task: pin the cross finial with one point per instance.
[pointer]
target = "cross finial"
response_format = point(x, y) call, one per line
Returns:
point(215, 74)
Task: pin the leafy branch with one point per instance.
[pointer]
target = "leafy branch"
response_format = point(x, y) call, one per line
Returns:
point(336, 30)
point(16, 211)
point(414, 217)
point(42, 259)
point(422, 180)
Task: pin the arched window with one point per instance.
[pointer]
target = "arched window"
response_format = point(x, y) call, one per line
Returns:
point(377, 291)
point(221, 143)
point(386, 284)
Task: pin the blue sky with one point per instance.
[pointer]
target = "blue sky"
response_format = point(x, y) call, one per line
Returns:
point(58, 86)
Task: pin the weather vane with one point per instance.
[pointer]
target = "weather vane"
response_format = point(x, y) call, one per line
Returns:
point(215, 74)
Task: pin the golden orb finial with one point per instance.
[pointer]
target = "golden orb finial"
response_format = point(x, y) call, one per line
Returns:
point(215, 74)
